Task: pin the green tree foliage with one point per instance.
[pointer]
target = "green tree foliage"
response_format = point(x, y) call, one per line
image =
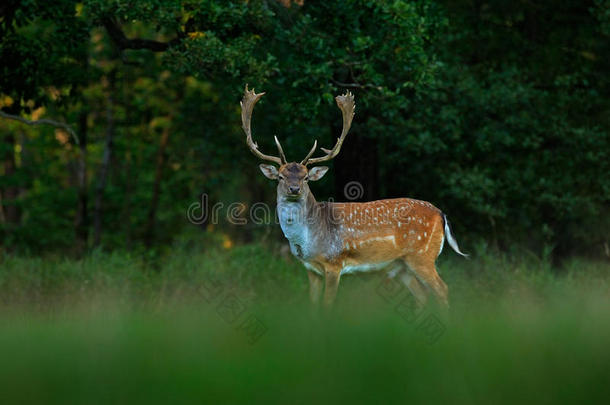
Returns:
point(521, 111)
point(43, 44)
point(497, 112)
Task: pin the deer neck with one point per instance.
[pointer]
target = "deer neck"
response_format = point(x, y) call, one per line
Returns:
point(299, 221)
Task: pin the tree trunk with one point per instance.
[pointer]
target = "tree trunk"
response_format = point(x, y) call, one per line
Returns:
point(130, 179)
point(11, 212)
point(152, 212)
point(2, 216)
point(104, 168)
point(81, 223)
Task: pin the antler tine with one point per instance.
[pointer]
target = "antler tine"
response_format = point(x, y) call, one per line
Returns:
point(279, 148)
point(247, 105)
point(313, 149)
point(347, 105)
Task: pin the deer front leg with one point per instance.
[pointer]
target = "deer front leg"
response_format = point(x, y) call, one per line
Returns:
point(332, 277)
point(315, 287)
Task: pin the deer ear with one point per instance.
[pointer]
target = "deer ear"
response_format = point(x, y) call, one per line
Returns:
point(269, 171)
point(316, 173)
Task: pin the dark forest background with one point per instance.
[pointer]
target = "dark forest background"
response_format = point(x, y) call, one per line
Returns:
point(498, 112)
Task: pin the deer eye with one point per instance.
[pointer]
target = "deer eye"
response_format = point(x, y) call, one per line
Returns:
point(281, 177)
point(306, 178)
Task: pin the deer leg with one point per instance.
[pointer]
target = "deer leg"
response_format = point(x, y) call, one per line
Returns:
point(315, 287)
point(428, 276)
point(331, 285)
point(415, 287)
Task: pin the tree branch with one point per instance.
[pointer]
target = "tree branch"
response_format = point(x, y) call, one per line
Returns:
point(122, 42)
point(356, 85)
point(45, 121)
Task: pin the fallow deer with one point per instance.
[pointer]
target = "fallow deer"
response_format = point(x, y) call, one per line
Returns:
point(331, 239)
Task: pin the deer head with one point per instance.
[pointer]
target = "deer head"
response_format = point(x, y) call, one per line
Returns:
point(293, 177)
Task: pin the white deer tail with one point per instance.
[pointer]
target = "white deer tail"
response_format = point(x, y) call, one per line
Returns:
point(450, 238)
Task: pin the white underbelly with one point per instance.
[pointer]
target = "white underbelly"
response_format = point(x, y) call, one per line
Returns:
point(392, 266)
point(313, 268)
point(366, 267)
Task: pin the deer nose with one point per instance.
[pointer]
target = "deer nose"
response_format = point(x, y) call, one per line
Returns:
point(294, 189)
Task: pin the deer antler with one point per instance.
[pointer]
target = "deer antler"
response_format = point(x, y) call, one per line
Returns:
point(247, 105)
point(313, 149)
point(347, 105)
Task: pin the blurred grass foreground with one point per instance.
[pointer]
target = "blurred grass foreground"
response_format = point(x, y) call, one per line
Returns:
point(235, 326)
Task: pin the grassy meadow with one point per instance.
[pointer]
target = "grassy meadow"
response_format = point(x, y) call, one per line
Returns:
point(235, 326)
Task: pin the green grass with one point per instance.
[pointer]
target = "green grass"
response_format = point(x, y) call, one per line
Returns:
point(113, 328)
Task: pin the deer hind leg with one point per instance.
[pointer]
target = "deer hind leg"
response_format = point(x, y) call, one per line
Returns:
point(415, 287)
point(426, 273)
